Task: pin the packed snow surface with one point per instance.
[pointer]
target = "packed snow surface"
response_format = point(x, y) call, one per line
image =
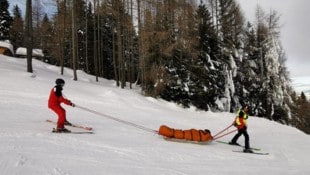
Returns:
point(27, 146)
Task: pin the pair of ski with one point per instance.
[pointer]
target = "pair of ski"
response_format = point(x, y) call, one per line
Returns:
point(254, 150)
point(87, 130)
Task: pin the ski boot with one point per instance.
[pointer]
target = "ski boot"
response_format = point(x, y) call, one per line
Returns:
point(61, 130)
point(248, 150)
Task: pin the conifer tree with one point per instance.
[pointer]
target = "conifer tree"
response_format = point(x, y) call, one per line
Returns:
point(37, 16)
point(89, 34)
point(248, 81)
point(302, 113)
point(17, 30)
point(230, 27)
point(206, 79)
point(5, 20)
point(46, 30)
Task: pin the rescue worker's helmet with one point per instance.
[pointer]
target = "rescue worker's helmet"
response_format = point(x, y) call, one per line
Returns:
point(245, 106)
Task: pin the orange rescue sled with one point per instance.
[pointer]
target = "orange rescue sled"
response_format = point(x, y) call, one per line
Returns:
point(189, 135)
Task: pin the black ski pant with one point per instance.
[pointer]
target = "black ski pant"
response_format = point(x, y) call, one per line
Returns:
point(243, 132)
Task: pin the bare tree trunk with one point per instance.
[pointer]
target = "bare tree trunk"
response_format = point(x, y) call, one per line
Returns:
point(58, 30)
point(95, 43)
point(99, 59)
point(114, 57)
point(216, 17)
point(141, 57)
point(74, 40)
point(130, 65)
point(122, 57)
point(119, 49)
point(86, 44)
point(118, 15)
point(29, 36)
point(62, 45)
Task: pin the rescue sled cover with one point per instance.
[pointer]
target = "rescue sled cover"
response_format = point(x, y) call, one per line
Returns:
point(190, 134)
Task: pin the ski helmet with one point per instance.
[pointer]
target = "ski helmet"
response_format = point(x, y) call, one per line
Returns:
point(60, 81)
point(245, 106)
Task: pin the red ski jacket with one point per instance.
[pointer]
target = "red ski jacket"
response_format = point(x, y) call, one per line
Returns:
point(55, 101)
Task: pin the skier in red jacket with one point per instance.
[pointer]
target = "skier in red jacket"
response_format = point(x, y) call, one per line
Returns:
point(54, 101)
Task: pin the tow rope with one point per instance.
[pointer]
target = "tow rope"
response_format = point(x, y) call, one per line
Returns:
point(118, 120)
point(222, 134)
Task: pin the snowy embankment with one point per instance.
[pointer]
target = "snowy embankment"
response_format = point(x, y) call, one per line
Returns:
point(27, 147)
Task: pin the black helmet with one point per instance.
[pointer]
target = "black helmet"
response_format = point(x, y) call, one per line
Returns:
point(60, 81)
point(244, 106)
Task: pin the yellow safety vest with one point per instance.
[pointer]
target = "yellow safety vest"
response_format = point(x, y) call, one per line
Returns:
point(245, 117)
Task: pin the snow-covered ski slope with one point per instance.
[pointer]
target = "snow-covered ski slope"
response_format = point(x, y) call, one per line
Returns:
point(27, 146)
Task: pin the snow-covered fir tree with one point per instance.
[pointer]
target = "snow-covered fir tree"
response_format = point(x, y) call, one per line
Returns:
point(5, 20)
point(17, 30)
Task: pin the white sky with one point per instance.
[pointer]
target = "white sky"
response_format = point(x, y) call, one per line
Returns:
point(295, 33)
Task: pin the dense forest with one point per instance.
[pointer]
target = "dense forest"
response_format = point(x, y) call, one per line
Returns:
point(194, 53)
